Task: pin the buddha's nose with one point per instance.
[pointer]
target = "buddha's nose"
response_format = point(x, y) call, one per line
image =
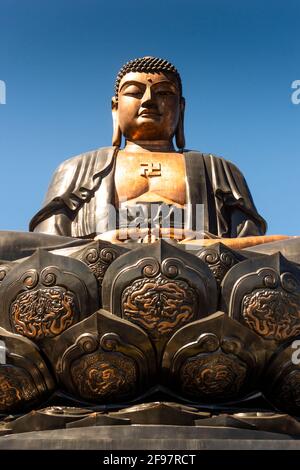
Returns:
point(148, 97)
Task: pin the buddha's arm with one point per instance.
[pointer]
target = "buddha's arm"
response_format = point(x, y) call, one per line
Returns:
point(244, 220)
point(56, 215)
point(58, 224)
point(243, 226)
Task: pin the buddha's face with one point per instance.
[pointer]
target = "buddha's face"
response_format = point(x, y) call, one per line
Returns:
point(148, 106)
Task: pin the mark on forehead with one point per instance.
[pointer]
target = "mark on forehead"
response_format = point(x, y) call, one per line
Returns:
point(149, 80)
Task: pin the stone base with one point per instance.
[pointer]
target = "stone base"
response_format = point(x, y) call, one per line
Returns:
point(149, 437)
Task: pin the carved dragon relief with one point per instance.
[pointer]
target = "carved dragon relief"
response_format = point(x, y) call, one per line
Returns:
point(264, 294)
point(159, 305)
point(16, 388)
point(45, 295)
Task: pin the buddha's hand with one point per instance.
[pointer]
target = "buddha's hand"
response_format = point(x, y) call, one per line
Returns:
point(150, 235)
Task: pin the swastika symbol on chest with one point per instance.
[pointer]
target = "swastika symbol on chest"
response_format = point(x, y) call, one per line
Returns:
point(150, 169)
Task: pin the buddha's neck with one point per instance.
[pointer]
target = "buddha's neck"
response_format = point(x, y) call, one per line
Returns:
point(148, 146)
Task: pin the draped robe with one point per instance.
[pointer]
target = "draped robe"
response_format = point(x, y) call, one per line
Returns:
point(83, 187)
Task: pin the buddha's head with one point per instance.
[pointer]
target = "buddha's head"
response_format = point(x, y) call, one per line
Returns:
point(148, 105)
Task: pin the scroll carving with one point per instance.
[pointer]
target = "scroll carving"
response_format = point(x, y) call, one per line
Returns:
point(219, 259)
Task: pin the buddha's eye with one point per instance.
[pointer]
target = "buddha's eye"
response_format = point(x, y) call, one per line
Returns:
point(133, 91)
point(165, 92)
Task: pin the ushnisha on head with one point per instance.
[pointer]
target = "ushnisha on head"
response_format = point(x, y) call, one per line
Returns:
point(148, 106)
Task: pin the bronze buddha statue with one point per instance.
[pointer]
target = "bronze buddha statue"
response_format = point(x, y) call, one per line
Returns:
point(148, 111)
point(97, 324)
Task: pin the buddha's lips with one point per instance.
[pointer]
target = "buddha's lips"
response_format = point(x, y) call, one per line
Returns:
point(149, 113)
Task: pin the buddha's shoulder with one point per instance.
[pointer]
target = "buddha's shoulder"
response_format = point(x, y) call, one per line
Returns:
point(88, 158)
point(212, 158)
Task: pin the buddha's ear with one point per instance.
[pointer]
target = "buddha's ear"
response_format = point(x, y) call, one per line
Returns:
point(182, 105)
point(114, 104)
point(179, 133)
point(117, 134)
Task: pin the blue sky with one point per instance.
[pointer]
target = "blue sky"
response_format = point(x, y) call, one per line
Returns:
point(237, 59)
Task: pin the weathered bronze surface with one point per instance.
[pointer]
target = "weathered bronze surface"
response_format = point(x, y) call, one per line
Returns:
point(5, 267)
point(178, 418)
point(24, 377)
point(282, 380)
point(98, 419)
point(272, 422)
point(98, 256)
point(226, 421)
point(214, 359)
point(48, 418)
point(220, 259)
point(161, 413)
point(103, 359)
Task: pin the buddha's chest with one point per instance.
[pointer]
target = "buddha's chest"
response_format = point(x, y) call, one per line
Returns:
point(150, 177)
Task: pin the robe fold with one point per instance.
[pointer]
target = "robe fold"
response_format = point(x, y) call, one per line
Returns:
point(83, 187)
